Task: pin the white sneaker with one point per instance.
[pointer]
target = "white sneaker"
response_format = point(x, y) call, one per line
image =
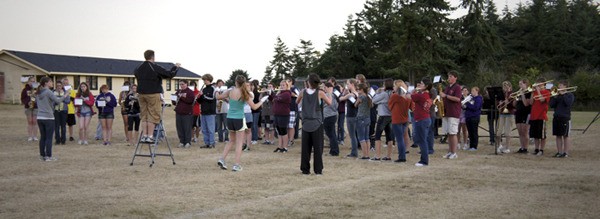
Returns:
point(506, 150)
point(465, 147)
point(500, 149)
point(85, 143)
point(447, 155)
point(253, 142)
point(49, 159)
point(453, 156)
point(80, 142)
point(180, 145)
point(187, 145)
point(222, 164)
point(420, 164)
point(35, 139)
point(30, 139)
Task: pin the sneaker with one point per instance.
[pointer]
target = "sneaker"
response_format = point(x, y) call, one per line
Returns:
point(564, 155)
point(499, 149)
point(419, 164)
point(195, 140)
point(85, 142)
point(400, 161)
point(414, 146)
point(277, 150)
point(30, 139)
point(453, 156)
point(150, 139)
point(365, 158)
point(104, 143)
point(180, 145)
point(71, 139)
point(558, 154)
point(522, 151)
point(35, 139)
point(253, 142)
point(465, 147)
point(222, 164)
point(375, 159)
point(472, 149)
point(506, 151)
point(245, 148)
point(236, 168)
point(372, 148)
point(51, 159)
point(80, 142)
point(266, 142)
point(283, 150)
point(447, 155)
point(351, 156)
point(42, 158)
point(540, 153)
point(386, 158)
point(291, 143)
point(341, 143)
point(187, 145)
point(536, 151)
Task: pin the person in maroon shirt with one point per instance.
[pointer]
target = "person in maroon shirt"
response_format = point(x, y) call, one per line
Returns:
point(422, 119)
point(184, 114)
point(281, 113)
point(452, 109)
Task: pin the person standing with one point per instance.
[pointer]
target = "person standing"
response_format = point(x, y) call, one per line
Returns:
point(462, 125)
point(384, 122)
point(350, 96)
point(281, 113)
point(196, 112)
point(312, 99)
point(45, 119)
point(267, 114)
point(330, 114)
point(255, 113)
point(294, 117)
point(339, 89)
point(237, 96)
point(71, 111)
point(561, 124)
point(84, 111)
point(132, 106)
point(124, 115)
point(451, 97)
point(523, 109)
point(505, 118)
point(221, 118)
point(363, 118)
point(399, 105)
point(472, 114)
point(183, 114)
point(538, 118)
point(208, 108)
point(60, 114)
point(422, 122)
point(28, 99)
point(149, 76)
point(106, 103)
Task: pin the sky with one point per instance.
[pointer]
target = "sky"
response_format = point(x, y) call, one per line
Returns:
point(215, 37)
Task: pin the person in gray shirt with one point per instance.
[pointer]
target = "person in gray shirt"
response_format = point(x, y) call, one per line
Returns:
point(45, 119)
point(330, 113)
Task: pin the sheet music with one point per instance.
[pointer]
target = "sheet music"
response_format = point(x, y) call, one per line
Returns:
point(436, 79)
point(352, 99)
point(78, 102)
point(125, 88)
point(549, 86)
point(174, 97)
point(68, 87)
point(337, 93)
point(101, 103)
point(371, 92)
point(411, 89)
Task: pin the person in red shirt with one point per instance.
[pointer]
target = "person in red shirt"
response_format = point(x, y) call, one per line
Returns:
point(399, 104)
point(538, 118)
point(422, 119)
point(196, 112)
point(452, 109)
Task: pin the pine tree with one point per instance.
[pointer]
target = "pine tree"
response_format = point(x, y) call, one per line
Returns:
point(234, 74)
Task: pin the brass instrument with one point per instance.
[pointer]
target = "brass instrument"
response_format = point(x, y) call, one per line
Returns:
point(540, 83)
point(555, 91)
point(466, 100)
point(32, 94)
point(439, 103)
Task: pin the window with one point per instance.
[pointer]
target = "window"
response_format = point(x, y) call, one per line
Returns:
point(76, 81)
point(93, 82)
point(109, 82)
point(131, 80)
point(169, 85)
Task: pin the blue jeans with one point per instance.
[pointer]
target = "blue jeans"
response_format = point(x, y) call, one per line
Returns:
point(46, 127)
point(329, 125)
point(222, 131)
point(341, 132)
point(255, 119)
point(398, 130)
point(351, 124)
point(208, 129)
point(420, 137)
point(362, 128)
point(431, 136)
point(60, 126)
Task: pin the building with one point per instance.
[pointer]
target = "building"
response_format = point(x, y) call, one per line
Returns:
point(16, 66)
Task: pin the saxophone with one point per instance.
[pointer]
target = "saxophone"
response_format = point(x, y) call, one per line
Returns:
point(439, 103)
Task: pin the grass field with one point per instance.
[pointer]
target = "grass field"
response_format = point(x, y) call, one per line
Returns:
point(96, 181)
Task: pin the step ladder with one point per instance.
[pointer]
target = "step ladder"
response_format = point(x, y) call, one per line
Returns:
point(159, 134)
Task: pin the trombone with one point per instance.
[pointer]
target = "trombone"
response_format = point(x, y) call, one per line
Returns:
point(516, 95)
point(556, 91)
point(541, 83)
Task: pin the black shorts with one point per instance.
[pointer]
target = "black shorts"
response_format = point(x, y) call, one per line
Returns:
point(281, 124)
point(267, 122)
point(133, 122)
point(71, 119)
point(106, 116)
point(384, 123)
point(521, 118)
point(537, 129)
point(196, 122)
point(236, 125)
point(561, 126)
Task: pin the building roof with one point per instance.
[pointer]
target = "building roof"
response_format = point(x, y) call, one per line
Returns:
point(78, 64)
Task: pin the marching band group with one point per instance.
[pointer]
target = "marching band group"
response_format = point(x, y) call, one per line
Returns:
point(241, 114)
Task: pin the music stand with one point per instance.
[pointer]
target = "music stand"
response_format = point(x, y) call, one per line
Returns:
point(495, 93)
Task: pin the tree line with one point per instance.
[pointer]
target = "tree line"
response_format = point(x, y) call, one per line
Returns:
point(411, 39)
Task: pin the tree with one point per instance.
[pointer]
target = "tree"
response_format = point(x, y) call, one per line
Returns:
point(303, 59)
point(231, 81)
point(281, 64)
point(268, 76)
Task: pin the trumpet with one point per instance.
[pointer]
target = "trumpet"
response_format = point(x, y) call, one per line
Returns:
point(556, 91)
point(466, 100)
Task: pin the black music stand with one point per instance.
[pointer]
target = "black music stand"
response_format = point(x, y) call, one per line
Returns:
point(495, 93)
point(593, 120)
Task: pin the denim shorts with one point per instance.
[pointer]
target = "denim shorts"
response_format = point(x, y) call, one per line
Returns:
point(86, 114)
point(106, 116)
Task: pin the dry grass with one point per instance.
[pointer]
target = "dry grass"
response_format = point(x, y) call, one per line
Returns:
point(97, 182)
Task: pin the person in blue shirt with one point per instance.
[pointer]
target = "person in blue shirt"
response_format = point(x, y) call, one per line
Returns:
point(472, 113)
point(106, 103)
point(561, 123)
